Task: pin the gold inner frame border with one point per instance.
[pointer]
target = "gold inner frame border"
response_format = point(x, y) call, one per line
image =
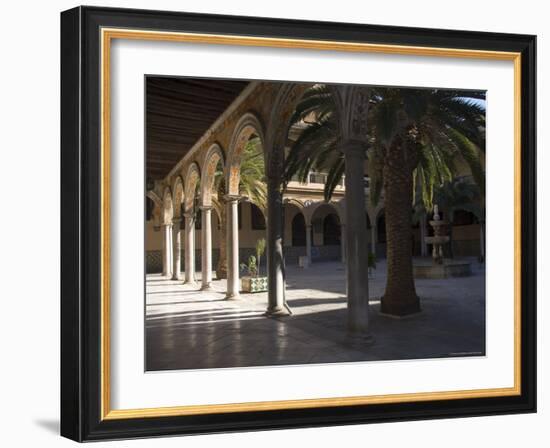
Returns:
point(107, 35)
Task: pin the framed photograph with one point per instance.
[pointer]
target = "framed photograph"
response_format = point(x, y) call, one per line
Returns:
point(275, 224)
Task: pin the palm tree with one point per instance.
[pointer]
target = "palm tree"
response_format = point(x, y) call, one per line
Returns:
point(414, 136)
point(252, 186)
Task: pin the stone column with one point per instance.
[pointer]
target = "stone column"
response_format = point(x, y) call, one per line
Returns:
point(232, 204)
point(189, 248)
point(308, 243)
point(166, 250)
point(343, 242)
point(275, 259)
point(176, 244)
point(275, 256)
point(206, 248)
point(356, 242)
point(373, 238)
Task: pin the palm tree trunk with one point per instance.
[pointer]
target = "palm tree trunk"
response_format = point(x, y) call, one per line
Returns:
point(400, 296)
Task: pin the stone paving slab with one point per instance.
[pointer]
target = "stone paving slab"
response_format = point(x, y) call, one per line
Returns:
point(190, 329)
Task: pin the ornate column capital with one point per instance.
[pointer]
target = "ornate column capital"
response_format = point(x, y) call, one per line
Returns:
point(232, 198)
point(205, 207)
point(188, 215)
point(352, 102)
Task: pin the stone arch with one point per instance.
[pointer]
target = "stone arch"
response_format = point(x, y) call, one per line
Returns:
point(341, 210)
point(332, 230)
point(177, 196)
point(285, 100)
point(258, 218)
point(212, 158)
point(297, 202)
point(318, 223)
point(167, 206)
point(192, 179)
point(248, 126)
point(375, 212)
point(154, 197)
point(298, 230)
point(291, 208)
point(156, 213)
point(309, 211)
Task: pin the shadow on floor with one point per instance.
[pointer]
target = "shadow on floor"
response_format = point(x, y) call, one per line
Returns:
point(230, 338)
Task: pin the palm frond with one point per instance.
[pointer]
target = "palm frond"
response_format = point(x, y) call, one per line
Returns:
point(334, 177)
point(470, 153)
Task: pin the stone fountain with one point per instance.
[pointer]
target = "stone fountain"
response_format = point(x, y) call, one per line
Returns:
point(438, 266)
point(439, 239)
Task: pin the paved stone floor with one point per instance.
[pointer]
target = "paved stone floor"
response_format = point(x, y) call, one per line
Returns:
point(190, 329)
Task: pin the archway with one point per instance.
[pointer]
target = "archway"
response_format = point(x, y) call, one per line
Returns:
point(331, 230)
point(298, 230)
point(326, 233)
point(248, 131)
point(245, 180)
point(178, 197)
point(167, 215)
point(213, 166)
point(213, 190)
point(294, 232)
point(257, 218)
point(153, 240)
point(192, 186)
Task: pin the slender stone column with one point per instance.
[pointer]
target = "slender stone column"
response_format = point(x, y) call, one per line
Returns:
point(343, 242)
point(206, 248)
point(373, 238)
point(275, 258)
point(189, 249)
point(176, 244)
point(356, 241)
point(232, 204)
point(308, 243)
point(166, 250)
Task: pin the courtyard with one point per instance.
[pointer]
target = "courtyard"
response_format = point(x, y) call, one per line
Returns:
point(191, 329)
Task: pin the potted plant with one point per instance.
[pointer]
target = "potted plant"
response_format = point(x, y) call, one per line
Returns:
point(253, 282)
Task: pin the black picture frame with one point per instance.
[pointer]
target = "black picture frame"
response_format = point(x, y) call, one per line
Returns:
point(81, 224)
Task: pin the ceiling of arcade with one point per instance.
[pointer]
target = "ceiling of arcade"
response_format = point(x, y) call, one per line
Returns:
point(185, 117)
point(179, 111)
point(201, 133)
